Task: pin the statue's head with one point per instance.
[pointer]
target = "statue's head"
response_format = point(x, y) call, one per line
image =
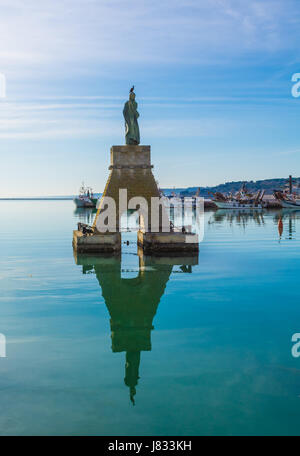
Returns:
point(132, 96)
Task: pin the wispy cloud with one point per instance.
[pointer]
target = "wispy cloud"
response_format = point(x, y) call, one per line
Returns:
point(28, 121)
point(55, 32)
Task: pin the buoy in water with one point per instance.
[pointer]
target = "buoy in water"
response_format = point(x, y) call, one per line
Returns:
point(280, 227)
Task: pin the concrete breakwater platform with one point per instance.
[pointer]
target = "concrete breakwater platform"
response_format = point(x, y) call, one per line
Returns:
point(156, 243)
point(96, 243)
point(160, 243)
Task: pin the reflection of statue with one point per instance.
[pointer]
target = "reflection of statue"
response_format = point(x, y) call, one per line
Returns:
point(132, 132)
point(132, 372)
point(132, 303)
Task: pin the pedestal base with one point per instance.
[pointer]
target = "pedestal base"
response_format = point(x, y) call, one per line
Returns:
point(96, 243)
point(171, 243)
point(130, 170)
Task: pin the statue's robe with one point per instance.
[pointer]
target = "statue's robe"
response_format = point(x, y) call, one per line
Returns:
point(132, 132)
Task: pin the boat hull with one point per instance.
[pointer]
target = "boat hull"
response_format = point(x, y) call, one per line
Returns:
point(236, 205)
point(290, 205)
point(83, 202)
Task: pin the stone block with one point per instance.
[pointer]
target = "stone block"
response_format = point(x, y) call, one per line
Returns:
point(160, 243)
point(108, 242)
point(130, 156)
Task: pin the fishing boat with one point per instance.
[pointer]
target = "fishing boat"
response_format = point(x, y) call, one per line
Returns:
point(287, 200)
point(85, 198)
point(240, 200)
point(184, 198)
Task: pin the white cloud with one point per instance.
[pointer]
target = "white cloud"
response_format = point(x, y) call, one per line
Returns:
point(50, 37)
point(49, 34)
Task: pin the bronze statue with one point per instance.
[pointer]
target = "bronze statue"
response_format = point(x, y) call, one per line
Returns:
point(132, 132)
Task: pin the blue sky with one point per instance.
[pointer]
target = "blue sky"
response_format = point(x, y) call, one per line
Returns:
point(212, 79)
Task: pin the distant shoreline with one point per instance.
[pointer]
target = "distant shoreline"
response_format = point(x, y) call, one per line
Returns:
point(37, 199)
point(268, 185)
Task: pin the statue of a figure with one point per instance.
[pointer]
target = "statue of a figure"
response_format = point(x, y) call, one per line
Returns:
point(132, 132)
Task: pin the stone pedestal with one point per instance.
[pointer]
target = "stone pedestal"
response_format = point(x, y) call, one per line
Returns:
point(130, 169)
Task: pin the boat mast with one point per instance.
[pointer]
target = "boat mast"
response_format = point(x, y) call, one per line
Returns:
point(290, 184)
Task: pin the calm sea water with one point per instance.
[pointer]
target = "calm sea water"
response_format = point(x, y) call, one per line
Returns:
point(137, 346)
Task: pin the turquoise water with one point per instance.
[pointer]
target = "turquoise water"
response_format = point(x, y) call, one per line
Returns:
point(210, 342)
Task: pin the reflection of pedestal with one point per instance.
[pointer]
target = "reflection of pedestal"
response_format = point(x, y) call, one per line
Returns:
point(132, 303)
